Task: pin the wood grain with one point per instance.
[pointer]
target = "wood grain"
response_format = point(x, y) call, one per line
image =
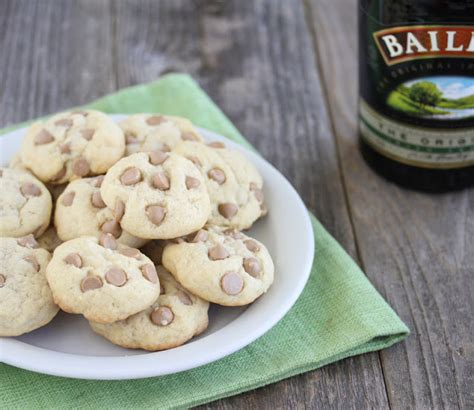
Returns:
point(416, 248)
point(53, 66)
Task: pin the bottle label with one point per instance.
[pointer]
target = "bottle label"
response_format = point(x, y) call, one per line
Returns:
point(422, 147)
point(413, 42)
point(417, 88)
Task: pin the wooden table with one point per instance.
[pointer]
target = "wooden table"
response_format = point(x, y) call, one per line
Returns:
point(285, 72)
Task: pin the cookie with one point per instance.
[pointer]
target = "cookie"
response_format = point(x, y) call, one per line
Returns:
point(156, 195)
point(80, 211)
point(223, 267)
point(25, 204)
point(26, 302)
point(72, 145)
point(49, 240)
point(102, 279)
point(233, 183)
point(150, 132)
point(173, 319)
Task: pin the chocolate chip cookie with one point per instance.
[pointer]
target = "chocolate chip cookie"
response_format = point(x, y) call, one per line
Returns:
point(156, 195)
point(145, 132)
point(174, 318)
point(72, 145)
point(223, 267)
point(26, 302)
point(81, 211)
point(25, 204)
point(102, 279)
point(233, 183)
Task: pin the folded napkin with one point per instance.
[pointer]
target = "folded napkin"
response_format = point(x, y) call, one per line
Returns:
point(339, 313)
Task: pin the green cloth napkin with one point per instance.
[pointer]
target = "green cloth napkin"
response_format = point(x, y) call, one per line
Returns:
point(339, 313)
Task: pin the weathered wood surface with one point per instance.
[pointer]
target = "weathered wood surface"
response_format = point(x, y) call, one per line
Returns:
point(285, 73)
point(416, 248)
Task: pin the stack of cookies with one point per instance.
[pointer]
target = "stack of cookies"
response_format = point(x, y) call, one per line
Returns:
point(137, 226)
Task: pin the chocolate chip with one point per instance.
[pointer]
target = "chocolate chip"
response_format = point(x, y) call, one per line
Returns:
point(28, 241)
point(131, 252)
point(2, 281)
point(98, 181)
point(60, 175)
point(74, 259)
point(80, 167)
point(189, 136)
point(34, 262)
point(160, 181)
point(131, 176)
point(91, 283)
point(155, 120)
point(192, 182)
point(155, 213)
point(68, 198)
point(157, 157)
point(232, 283)
point(43, 137)
point(201, 236)
point(252, 266)
point(130, 139)
point(195, 160)
point(149, 273)
point(112, 227)
point(108, 241)
point(116, 276)
point(30, 189)
point(65, 148)
point(218, 252)
point(252, 246)
point(216, 144)
point(64, 122)
point(184, 298)
point(162, 316)
point(97, 200)
point(216, 174)
point(87, 133)
point(227, 210)
point(119, 210)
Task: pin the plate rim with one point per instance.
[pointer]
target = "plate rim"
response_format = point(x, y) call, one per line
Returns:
point(29, 357)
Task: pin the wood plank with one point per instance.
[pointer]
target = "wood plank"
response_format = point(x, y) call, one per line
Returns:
point(416, 248)
point(50, 67)
point(255, 59)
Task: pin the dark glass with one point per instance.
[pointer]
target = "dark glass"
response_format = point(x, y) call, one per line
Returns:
point(376, 15)
point(420, 179)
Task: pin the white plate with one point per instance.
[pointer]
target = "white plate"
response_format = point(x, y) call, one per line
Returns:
point(67, 347)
